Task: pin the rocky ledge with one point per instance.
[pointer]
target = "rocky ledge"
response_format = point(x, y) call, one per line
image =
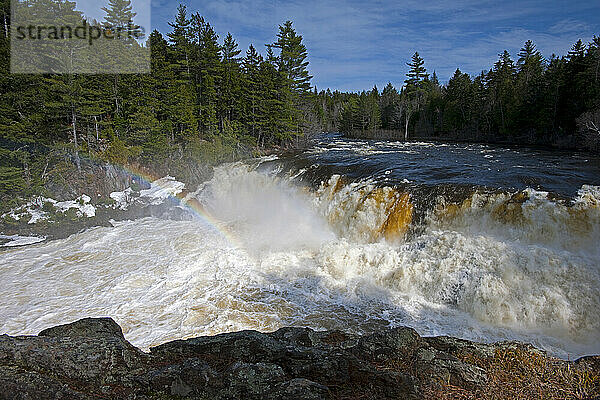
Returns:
point(90, 358)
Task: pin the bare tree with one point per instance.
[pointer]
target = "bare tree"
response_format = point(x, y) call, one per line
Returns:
point(588, 125)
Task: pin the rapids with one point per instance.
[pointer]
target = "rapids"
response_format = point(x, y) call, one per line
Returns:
point(352, 235)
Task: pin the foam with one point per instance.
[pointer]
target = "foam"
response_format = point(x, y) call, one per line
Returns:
point(322, 259)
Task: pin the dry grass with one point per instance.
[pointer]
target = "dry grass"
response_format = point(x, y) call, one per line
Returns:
point(519, 374)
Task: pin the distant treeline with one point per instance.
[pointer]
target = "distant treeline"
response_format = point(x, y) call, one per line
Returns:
point(530, 101)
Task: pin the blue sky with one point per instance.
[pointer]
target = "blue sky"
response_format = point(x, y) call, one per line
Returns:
point(353, 45)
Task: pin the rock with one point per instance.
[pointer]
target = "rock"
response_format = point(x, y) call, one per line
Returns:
point(393, 343)
point(247, 346)
point(461, 347)
point(90, 358)
point(87, 327)
point(17, 383)
point(442, 367)
point(252, 380)
point(190, 377)
point(88, 354)
point(299, 389)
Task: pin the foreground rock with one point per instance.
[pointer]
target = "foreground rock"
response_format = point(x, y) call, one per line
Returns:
point(90, 358)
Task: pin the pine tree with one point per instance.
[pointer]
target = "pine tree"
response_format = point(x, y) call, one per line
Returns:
point(389, 105)
point(251, 104)
point(349, 116)
point(502, 85)
point(530, 63)
point(209, 65)
point(270, 57)
point(180, 38)
point(413, 95)
point(120, 15)
point(175, 96)
point(292, 57)
point(66, 97)
point(577, 51)
point(275, 109)
point(529, 86)
point(417, 71)
point(291, 62)
point(231, 84)
point(459, 96)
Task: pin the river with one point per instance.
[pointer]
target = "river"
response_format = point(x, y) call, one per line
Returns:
point(480, 242)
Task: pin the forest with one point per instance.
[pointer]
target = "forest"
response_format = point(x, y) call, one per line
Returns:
point(207, 100)
point(532, 101)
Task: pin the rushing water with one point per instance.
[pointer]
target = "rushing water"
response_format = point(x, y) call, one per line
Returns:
point(480, 242)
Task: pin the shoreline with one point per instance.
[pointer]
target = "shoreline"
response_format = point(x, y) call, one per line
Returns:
point(439, 139)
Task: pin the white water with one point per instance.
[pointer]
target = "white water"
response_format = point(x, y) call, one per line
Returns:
point(314, 259)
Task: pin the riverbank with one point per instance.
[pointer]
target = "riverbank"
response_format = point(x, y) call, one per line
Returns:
point(73, 198)
point(567, 143)
point(66, 192)
point(91, 358)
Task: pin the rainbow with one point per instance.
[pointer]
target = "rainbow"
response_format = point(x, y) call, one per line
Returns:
point(186, 201)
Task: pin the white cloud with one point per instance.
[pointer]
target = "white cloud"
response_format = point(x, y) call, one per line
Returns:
point(569, 26)
point(353, 44)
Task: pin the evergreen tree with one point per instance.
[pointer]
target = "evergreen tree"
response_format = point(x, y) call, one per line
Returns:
point(530, 63)
point(349, 116)
point(412, 96)
point(459, 95)
point(529, 86)
point(389, 105)
point(417, 71)
point(577, 51)
point(292, 57)
point(120, 15)
point(252, 103)
point(180, 38)
point(231, 84)
point(291, 62)
point(209, 65)
point(503, 95)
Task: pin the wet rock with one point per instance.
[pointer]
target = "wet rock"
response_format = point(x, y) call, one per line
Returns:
point(91, 352)
point(87, 328)
point(246, 346)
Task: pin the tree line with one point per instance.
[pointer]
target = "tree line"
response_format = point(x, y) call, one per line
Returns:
point(530, 101)
point(205, 99)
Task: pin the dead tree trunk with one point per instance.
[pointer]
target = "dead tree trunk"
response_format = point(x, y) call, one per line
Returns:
point(74, 119)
